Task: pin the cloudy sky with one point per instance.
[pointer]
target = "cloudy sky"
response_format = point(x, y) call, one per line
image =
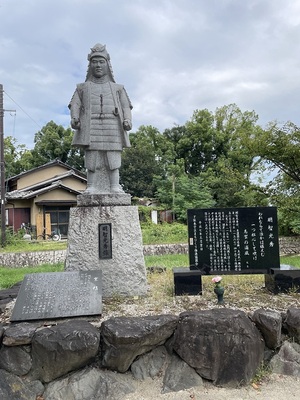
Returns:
point(173, 56)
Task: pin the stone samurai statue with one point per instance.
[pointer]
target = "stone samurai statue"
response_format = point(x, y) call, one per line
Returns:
point(101, 117)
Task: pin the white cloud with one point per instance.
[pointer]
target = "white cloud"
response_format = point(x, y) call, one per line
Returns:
point(173, 56)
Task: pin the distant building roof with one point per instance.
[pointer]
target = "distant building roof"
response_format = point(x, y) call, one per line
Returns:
point(47, 165)
point(29, 194)
point(46, 185)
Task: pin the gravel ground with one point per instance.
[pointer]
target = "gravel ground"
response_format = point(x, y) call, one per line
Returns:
point(276, 387)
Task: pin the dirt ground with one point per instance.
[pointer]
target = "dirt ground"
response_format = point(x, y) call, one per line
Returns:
point(275, 387)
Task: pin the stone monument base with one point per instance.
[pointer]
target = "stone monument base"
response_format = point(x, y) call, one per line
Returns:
point(122, 260)
point(105, 199)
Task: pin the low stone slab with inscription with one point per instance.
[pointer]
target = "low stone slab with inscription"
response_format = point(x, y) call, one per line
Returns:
point(59, 294)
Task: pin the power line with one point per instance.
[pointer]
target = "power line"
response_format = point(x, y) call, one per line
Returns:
point(22, 109)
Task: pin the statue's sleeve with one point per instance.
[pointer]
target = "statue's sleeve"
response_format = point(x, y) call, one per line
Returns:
point(75, 105)
point(126, 105)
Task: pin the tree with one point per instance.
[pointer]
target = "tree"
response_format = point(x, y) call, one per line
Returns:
point(141, 162)
point(198, 144)
point(185, 193)
point(277, 150)
point(174, 149)
point(279, 145)
point(17, 157)
point(232, 127)
point(54, 142)
point(213, 148)
point(210, 147)
point(230, 188)
point(284, 193)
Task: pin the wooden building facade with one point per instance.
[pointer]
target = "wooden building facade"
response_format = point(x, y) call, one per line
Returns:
point(42, 197)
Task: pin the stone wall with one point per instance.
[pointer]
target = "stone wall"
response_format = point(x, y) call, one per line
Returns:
point(160, 249)
point(32, 258)
point(287, 245)
point(77, 359)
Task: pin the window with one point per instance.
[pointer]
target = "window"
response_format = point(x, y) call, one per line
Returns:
point(59, 219)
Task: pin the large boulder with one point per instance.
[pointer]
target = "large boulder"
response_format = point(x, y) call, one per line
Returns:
point(292, 323)
point(180, 376)
point(125, 338)
point(14, 388)
point(19, 334)
point(16, 359)
point(287, 361)
point(151, 364)
point(177, 374)
point(269, 323)
point(1, 332)
point(88, 384)
point(223, 345)
point(63, 348)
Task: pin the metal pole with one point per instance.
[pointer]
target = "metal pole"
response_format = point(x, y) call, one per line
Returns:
point(2, 170)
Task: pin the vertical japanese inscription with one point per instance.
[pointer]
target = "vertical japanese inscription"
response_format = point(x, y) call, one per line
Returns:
point(105, 248)
point(233, 239)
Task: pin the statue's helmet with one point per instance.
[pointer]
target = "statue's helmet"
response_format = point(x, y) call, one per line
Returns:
point(99, 50)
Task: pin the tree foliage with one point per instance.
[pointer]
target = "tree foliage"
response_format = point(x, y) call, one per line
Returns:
point(182, 193)
point(17, 157)
point(279, 146)
point(213, 147)
point(208, 161)
point(54, 142)
point(141, 162)
point(278, 150)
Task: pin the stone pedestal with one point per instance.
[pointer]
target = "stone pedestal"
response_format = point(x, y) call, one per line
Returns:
point(123, 272)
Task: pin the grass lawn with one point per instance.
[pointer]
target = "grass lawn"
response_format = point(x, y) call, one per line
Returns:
point(10, 276)
point(152, 234)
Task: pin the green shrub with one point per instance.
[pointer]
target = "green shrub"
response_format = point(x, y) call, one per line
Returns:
point(164, 233)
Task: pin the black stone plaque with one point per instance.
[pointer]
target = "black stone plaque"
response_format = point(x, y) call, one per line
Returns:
point(105, 250)
point(59, 294)
point(283, 279)
point(187, 282)
point(233, 240)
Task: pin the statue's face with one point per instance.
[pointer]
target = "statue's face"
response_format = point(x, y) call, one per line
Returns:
point(99, 67)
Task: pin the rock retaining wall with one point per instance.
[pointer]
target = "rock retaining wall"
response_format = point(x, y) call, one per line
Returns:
point(76, 359)
point(287, 245)
point(32, 258)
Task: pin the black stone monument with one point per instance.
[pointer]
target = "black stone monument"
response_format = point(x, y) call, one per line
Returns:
point(233, 240)
point(229, 241)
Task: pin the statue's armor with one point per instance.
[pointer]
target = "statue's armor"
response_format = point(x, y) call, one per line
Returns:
point(105, 130)
point(101, 109)
point(101, 117)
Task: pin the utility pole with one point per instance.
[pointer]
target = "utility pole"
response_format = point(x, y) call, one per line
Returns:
point(2, 169)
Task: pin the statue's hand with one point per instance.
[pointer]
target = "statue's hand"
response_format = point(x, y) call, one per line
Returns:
point(127, 125)
point(75, 123)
